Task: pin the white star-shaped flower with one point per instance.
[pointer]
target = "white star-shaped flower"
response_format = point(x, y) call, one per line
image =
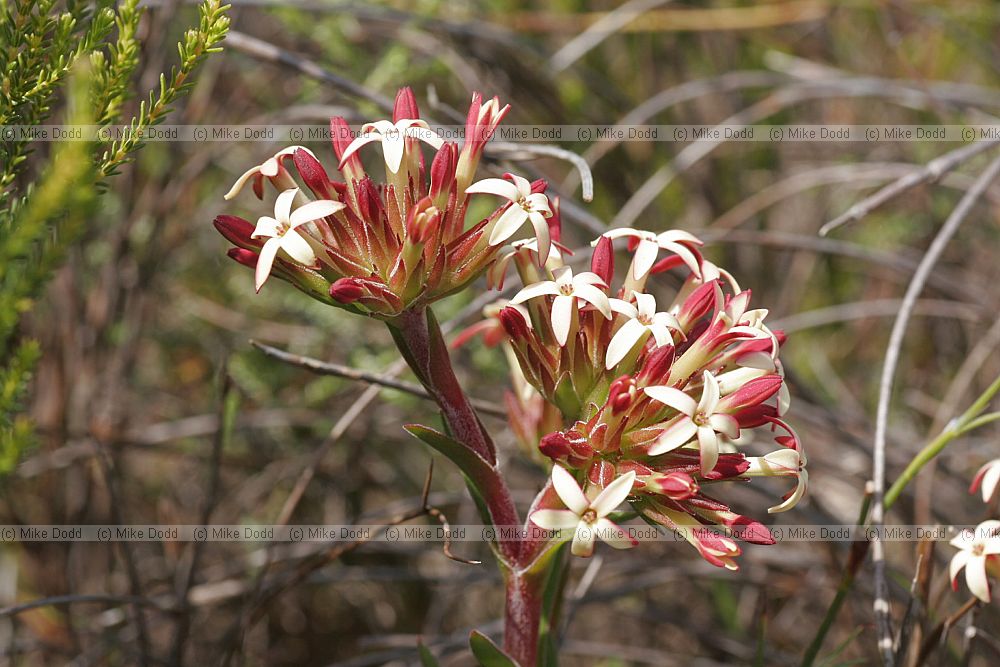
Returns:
point(781, 463)
point(975, 547)
point(568, 289)
point(650, 245)
point(988, 478)
point(280, 231)
point(393, 138)
point(643, 320)
point(269, 168)
point(587, 518)
point(696, 419)
point(525, 205)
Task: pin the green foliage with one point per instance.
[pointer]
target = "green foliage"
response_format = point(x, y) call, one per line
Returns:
point(487, 653)
point(198, 42)
point(65, 55)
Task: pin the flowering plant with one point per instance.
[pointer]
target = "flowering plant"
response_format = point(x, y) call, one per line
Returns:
point(627, 400)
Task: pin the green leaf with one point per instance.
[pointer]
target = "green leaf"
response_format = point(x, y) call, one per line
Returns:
point(487, 653)
point(475, 468)
point(427, 658)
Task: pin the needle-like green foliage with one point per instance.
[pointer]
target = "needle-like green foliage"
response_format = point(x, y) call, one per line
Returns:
point(71, 62)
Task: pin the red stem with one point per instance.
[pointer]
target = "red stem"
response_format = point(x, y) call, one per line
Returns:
point(522, 615)
point(419, 339)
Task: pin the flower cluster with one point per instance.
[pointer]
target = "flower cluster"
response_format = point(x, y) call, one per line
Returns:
point(380, 248)
point(979, 549)
point(664, 397)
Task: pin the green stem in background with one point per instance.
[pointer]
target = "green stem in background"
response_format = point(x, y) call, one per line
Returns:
point(969, 421)
point(859, 550)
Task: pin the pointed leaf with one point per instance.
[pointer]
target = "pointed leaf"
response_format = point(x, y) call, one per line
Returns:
point(487, 653)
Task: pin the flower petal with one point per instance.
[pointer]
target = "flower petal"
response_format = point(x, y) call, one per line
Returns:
point(708, 442)
point(283, 205)
point(554, 519)
point(356, 145)
point(975, 578)
point(709, 394)
point(675, 398)
point(583, 541)
point(614, 535)
point(677, 435)
point(266, 227)
point(594, 297)
point(726, 425)
point(545, 288)
point(494, 186)
point(613, 495)
point(265, 261)
point(507, 225)
point(623, 307)
point(958, 561)
point(241, 181)
point(645, 257)
point(562, 317)
point(298, 248)
point(623, 342)
point(569, 491)
point(393, 144)
point(541, 235)
point(314, 210)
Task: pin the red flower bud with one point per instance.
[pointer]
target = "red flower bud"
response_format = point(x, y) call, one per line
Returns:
point(674, 485)
point(341, 137)
point(514, 323)
point(443, 169)
point(369, 201)
point(753, 392)
point(621, 394)
point(313, 174)
point(750, 530)
point(244, 257)
point(236, 230)
point(699, 303)
point(555, 221)
point(405, 106)
point(602, 261)
point(347, 290)
point(423, 220)
point(656, 367)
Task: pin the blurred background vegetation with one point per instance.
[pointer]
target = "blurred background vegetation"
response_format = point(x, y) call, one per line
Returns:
point(148, 404)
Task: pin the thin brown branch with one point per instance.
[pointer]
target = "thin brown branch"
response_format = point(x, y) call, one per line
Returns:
point(338, 370)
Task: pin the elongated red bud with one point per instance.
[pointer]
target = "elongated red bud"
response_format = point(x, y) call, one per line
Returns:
point(621, 394)
point(656, 367)
point(514, 323)
point(754, 392)
point(341, 137)
point(405, 106)
point(602, 261)
point(674, 485)
point(369, 201)
point(750, 530)
point(244, 256)
point(236, 230)
point(313, 174)
point(347, 290)
point(756, 416)
point(555, 221)
point(443, 169)
point(699, 303)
